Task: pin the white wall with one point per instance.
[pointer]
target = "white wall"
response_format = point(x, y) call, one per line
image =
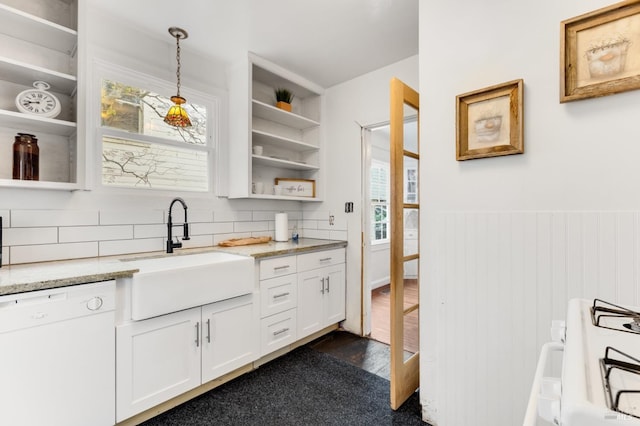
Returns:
point(507, 241)
point(359, 102)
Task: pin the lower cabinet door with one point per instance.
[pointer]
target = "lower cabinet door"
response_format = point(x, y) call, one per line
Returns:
point(229, 335)
point(157, 359)
point(335, 294)
point(311, 289)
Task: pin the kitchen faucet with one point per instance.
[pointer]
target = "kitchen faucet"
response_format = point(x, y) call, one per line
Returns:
point(185, 226)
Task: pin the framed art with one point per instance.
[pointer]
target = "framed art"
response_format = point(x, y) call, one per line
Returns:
point(489, 121)
point(600, 52)
point(297, 187)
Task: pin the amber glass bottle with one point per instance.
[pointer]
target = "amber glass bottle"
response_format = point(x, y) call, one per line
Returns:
point(26, 157)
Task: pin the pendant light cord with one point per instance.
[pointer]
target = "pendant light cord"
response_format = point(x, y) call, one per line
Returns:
point(178, 60)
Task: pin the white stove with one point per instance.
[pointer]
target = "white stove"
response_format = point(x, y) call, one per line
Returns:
point(600, 379)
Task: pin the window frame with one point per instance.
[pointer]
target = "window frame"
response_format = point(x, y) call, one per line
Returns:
point(103, 70)
point(375, 163)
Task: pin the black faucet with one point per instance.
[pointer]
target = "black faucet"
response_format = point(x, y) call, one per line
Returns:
point(185, 226)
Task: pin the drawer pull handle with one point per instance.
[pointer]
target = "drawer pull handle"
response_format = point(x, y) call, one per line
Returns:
point(322, 285)
point(327, 284)
point(197, 334)
point(277, 268)
point(284, 330)
point(325, 259)
point(275, 296)
point(208, 330)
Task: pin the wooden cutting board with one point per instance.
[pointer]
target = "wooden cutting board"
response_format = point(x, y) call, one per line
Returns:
point(244, 241)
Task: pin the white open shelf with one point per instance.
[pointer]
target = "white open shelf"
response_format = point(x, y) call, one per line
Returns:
point(25, 123)
point(33, 29)
point(282, 197)
point(277, 115)
point(39, 184)
point(25, 74)
point(269, 139)
point(282, 164)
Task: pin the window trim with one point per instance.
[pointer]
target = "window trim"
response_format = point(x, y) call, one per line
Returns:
point(215, 127)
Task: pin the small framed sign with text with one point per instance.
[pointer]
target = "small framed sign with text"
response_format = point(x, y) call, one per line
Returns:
point(297, 187)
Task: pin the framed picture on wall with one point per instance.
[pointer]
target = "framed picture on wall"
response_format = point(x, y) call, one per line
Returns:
point(489, 121)
point(600, 52)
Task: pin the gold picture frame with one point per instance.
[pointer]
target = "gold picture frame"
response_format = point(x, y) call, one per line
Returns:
point(489, 121)
point(600, 52)
point(297, 187)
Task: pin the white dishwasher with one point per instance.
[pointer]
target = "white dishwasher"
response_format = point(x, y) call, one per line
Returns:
point(57, 356)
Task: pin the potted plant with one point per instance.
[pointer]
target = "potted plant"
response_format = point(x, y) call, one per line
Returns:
point(283, 99)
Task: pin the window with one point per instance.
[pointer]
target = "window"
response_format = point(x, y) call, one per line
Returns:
point(379, 201)
point(139, 150)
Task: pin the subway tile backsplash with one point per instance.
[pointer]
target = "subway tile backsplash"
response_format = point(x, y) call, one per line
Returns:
point(33, 218)
point(48, 235)
point(47, 252)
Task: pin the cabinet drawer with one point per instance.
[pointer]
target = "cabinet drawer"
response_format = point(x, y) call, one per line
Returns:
point(277, 295)
point(319, 259)
point(277, 267)
point(278, 330)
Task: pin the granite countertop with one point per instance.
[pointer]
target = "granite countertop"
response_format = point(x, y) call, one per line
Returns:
point(46, 275)
point(275, 248)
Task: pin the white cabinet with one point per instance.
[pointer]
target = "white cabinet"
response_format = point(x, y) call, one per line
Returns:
point(39, 41)
point(278, 299)
point(229, 336)
point(321, 298)
point(157, 359)
point(165, 356)
point(300, 295)
point(291, 141)
point(321, 290)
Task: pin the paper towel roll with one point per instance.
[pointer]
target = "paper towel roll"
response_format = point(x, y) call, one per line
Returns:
point(282, 227)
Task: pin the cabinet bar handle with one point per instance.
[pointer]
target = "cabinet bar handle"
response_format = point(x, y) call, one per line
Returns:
point(198, 334)
point(284, 330)
point(208, 330)
point(326, 259)
point(322, 285)
point(275, 296)
point(327, 284)
point(277, 268)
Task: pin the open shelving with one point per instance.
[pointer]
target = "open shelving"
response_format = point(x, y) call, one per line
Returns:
point(291, 141)
point(41, 43)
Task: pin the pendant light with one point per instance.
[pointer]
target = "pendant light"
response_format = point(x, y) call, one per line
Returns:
point(177, 116)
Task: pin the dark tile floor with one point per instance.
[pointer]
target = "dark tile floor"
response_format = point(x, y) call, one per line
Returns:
point(362, 352)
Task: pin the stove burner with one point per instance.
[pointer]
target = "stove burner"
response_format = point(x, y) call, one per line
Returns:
point(614, 317)
point(621, 377)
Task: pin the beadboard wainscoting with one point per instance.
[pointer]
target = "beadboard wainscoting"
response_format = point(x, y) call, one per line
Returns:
point(497, 282)
point(47, 235)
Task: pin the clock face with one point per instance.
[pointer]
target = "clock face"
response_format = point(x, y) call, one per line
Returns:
point(38, 102)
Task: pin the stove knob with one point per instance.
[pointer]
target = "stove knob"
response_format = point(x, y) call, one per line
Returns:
point(558, 331)
point(549, 399)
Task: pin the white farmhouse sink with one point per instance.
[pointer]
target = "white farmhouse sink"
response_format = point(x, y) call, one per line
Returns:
point(173, 283)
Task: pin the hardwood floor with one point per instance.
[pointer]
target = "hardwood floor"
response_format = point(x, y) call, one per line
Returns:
point(380, 314)
point(362, 352)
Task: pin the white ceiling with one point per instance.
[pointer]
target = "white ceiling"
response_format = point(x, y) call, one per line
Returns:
point(326, 41)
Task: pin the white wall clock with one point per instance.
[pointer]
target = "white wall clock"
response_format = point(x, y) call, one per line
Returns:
point(38, 101)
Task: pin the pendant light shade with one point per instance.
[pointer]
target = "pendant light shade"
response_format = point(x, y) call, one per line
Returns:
point(177, 116)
